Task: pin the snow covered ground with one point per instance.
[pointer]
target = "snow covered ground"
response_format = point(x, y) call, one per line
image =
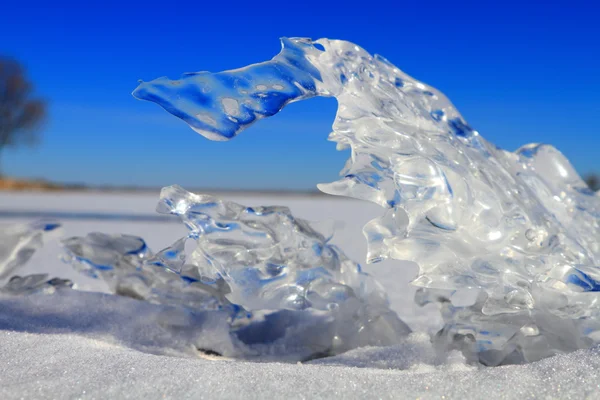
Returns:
point(93, 345)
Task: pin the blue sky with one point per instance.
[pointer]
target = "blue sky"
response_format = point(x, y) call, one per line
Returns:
point(519, 73)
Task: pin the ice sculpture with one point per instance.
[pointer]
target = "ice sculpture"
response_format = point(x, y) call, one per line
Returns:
point(254, 263)
point(520, 229)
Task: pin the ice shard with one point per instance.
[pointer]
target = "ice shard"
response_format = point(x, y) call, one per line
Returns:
point(18, 242)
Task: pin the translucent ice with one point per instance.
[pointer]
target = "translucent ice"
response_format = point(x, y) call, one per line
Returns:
point(18, 242)
point(35, 283)
point(129, 268)
point(274, 274)
point(517, 230)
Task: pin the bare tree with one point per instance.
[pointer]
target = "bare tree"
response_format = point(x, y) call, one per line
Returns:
point(20, 114)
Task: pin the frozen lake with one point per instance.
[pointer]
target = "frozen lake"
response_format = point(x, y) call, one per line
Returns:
point(55, 348)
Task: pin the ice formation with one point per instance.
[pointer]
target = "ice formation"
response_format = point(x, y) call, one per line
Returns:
point(18, 242)
point(517, 230)
point(284, 289)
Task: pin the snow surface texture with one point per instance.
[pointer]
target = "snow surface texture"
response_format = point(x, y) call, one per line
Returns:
point(506, 243)
point(70, 366)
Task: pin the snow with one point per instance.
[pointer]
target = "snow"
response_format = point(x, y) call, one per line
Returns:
point(71, 366)
point(93, 345)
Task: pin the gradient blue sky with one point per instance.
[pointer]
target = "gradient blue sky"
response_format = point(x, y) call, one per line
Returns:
point(518, 72)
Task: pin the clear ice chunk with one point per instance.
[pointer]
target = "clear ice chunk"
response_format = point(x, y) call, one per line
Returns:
point(131, 269)
point(521, 227)
point(269, 270)
point(268, 258)
point(33, 284)
point(18, 242)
